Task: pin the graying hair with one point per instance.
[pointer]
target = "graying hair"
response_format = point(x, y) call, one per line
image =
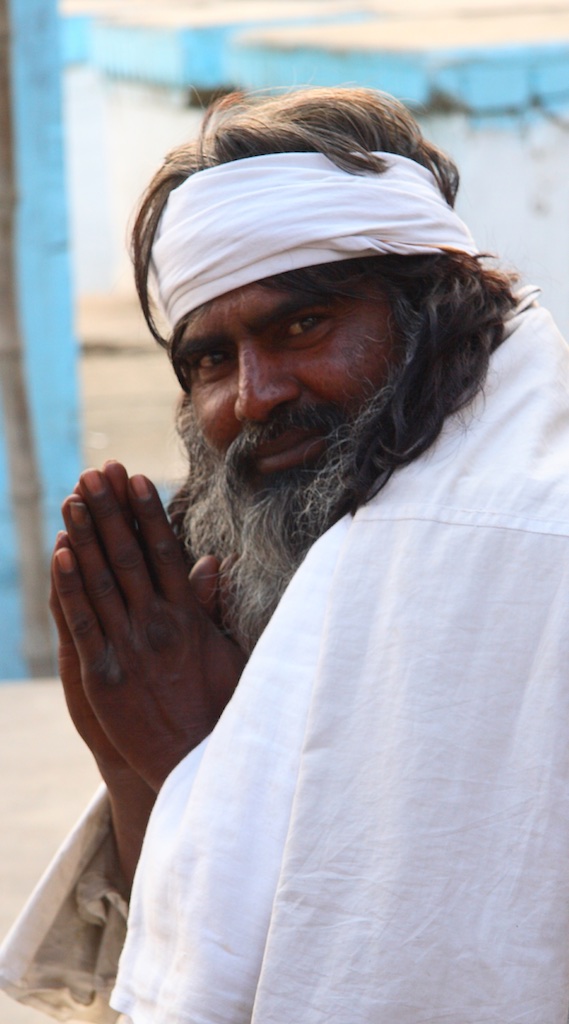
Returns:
point(269, 528)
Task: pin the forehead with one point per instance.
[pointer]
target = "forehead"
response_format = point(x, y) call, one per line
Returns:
point(259, 305)
point(254, 307)
point(254, 295)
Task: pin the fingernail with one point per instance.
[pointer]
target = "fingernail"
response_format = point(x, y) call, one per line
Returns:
point(140, 486)
point(93, 481)
point(78, 513)
point(65, 560)
point(61, 537)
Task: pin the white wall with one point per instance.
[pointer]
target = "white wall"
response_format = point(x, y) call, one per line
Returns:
point(117, 134)
point(514, 195)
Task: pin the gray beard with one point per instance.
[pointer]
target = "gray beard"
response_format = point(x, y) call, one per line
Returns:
point(264, 528)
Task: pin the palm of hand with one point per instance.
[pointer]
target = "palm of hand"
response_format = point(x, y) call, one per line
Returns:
point(146, 671)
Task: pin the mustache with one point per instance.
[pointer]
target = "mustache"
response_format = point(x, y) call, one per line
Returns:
point(324, 419)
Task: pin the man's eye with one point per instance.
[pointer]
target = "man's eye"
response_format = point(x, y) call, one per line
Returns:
point(208, 360)
point(197, 367)
point(204, 363)
point(306, 323)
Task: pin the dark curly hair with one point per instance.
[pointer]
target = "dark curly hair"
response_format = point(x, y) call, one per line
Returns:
point(448, 308)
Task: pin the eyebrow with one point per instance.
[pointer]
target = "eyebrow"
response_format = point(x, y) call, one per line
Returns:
point(291, 303)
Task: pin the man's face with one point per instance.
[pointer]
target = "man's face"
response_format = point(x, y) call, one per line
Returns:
point(257, 352)
point(282, 388)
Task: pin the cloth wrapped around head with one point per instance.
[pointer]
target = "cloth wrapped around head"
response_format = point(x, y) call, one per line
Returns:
point(246, 220)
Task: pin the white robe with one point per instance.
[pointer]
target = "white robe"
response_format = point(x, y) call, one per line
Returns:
point(377, 831)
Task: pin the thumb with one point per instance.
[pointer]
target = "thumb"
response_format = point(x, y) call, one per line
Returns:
point(204, 583)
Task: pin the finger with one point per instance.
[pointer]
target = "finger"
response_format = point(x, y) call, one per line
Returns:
point(117, 476)
point(204, 584)
point(164, 552)
point(97, 579)
point(78, 657)
point(68, 658)
point(61, 541)
point(69, 664)
point(118, 542)
point(81, 621)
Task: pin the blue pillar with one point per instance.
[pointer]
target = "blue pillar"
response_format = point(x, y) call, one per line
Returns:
point(44, 293)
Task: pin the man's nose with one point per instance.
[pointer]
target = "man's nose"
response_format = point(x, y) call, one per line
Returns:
point(264, 384)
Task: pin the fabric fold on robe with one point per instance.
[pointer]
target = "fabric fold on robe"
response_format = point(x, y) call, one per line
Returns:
point(379, 827)
point(61, 954)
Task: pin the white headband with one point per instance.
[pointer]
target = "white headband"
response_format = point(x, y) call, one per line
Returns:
point(239, 222)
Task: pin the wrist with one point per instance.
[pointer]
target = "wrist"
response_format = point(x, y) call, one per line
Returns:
point(131, 802)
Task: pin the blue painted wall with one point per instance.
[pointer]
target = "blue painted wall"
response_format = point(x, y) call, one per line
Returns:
point(493, 84)
point(44, 292)
point(179, 56)
point(496, 83)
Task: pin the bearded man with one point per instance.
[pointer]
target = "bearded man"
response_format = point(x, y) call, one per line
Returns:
point(374, 824)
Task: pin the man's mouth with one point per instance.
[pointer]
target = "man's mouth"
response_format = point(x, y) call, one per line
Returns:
point(294, 447)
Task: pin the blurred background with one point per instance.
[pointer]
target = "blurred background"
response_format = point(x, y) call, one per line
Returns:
point(99, 90)
point(92, 94)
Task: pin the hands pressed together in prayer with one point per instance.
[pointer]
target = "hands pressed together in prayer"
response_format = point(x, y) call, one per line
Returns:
point(145, 668)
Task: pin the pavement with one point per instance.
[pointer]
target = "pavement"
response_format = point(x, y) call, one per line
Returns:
point(48, 776)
